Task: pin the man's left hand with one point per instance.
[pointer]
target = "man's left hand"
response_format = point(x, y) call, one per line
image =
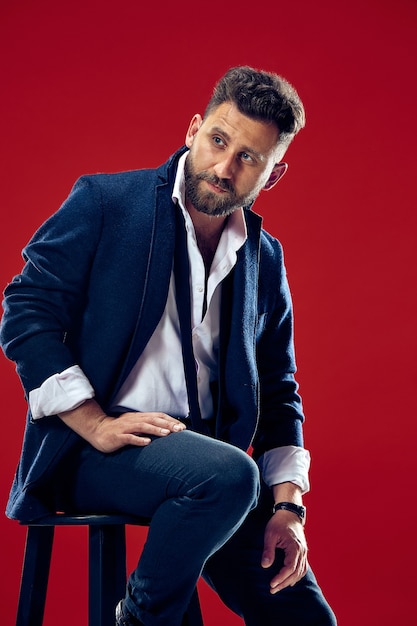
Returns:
point(285, 531)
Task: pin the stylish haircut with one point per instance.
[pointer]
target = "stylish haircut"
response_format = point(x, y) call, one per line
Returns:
point(263, 96)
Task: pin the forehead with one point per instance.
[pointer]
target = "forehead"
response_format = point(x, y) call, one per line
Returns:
point(245, 133)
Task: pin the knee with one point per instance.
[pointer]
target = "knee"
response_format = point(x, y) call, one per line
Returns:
point(238, 472)
point(235, 479)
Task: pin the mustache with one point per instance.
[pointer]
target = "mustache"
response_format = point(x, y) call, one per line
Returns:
point(222, 183)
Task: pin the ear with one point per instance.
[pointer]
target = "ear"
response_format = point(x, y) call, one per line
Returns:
point(276, 174)
point(192, 129)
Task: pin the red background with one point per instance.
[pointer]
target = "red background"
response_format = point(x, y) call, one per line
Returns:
point(93, 86)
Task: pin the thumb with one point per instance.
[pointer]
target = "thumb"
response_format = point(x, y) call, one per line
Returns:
point(268, 554)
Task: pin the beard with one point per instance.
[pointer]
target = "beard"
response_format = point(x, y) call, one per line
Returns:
point(209, 202)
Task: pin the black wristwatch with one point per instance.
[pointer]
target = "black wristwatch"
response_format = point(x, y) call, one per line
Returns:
point(294, 508)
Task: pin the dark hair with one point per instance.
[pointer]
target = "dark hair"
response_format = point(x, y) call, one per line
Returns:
point(261, 95)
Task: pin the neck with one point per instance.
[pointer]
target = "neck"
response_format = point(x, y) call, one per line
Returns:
point(208, 230)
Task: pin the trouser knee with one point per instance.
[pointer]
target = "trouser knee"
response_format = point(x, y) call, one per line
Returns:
point(233, 480)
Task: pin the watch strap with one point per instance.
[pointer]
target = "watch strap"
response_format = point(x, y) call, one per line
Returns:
point(298, 509)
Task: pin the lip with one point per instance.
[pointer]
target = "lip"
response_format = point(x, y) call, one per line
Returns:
point(215, 187)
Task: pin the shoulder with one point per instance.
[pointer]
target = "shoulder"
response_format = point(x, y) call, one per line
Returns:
point(130, 182)
point(105, 188)
point(273, 283)
point(271, 259)
point(271, 247)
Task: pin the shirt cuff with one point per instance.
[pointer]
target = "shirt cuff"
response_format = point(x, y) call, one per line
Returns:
point(61, 392)
point(286, 464)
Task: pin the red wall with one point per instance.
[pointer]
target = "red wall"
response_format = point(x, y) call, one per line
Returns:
point(101, 86)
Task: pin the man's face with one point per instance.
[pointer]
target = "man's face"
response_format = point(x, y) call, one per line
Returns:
point(231, 158)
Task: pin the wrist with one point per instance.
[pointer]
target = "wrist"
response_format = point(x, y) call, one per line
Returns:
point(298, 510)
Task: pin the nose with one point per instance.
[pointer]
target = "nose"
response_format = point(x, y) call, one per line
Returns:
point(225, 167)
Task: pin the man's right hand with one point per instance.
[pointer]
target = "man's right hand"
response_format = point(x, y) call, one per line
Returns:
point(108, 434)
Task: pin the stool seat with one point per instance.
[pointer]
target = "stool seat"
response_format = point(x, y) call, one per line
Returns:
point(78, 519)
point(106, 567)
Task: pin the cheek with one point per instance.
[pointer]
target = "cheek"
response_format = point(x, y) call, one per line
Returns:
point(261, 180)
point(202, 160)
point(252, 184)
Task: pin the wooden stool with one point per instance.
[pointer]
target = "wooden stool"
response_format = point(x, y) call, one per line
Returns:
point(107, 568)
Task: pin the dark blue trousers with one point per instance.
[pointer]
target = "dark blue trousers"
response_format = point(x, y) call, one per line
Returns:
point(202, 496)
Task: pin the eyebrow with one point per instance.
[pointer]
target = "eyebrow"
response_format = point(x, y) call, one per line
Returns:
point(247, 149)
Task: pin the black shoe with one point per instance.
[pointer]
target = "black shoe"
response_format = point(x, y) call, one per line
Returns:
point(124, 618)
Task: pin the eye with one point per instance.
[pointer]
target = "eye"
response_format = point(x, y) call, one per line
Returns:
point(246, 158)
point(218, 141)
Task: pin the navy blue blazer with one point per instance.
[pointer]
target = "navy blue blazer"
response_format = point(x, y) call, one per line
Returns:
point(92, 291)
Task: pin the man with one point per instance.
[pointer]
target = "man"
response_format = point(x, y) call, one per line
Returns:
point(152, 331)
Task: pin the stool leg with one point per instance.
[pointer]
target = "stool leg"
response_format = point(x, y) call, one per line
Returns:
point(35, 574)
point(107, 572)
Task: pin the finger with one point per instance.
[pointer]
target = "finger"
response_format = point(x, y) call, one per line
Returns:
point(117, 442)
point(289, 567)
point(134, 440)
point(162, 420)
point(159, 428)
point(289, 575)
point(169, 423)
point(157, 424)
point(286, 578)
point(268, 554)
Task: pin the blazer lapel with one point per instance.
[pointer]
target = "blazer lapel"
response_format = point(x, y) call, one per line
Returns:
point(155, 288)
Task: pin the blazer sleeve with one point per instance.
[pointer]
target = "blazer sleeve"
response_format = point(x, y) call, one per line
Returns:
point(280, 407)
point(44, 301)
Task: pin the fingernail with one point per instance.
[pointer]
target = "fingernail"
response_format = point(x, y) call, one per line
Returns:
point(165, 431)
